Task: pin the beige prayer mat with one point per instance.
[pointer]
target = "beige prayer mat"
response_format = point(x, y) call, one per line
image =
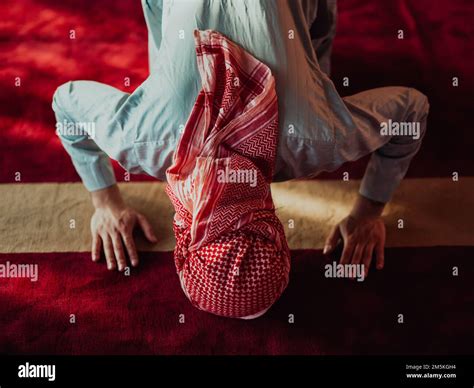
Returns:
point(54, 217)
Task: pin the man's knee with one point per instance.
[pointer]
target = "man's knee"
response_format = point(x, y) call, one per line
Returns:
point(62, 99)
point(64, 111)
point(418, 103)
point(417, 110)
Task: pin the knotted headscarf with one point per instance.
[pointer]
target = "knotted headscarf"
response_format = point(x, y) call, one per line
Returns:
point(231, 248)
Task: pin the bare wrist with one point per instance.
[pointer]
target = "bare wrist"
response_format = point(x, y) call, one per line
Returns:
point(365, 207)
point(109, 197)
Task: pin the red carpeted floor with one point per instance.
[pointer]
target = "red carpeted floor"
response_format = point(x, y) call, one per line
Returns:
point(140, 314)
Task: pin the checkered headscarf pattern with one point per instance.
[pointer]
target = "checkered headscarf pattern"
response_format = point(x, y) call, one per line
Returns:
point(230, 246)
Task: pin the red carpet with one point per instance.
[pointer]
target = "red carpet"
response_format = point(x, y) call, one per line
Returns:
point(140, 314)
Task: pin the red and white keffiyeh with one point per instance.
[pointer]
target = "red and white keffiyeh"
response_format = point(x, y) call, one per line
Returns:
point(231, 249)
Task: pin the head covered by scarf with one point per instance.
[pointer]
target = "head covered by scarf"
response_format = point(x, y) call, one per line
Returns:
point(231, 248)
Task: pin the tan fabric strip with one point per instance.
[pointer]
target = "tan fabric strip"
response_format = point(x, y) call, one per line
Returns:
point(54, 217)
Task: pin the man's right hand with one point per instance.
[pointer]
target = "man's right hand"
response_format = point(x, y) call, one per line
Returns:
point(112, 228)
